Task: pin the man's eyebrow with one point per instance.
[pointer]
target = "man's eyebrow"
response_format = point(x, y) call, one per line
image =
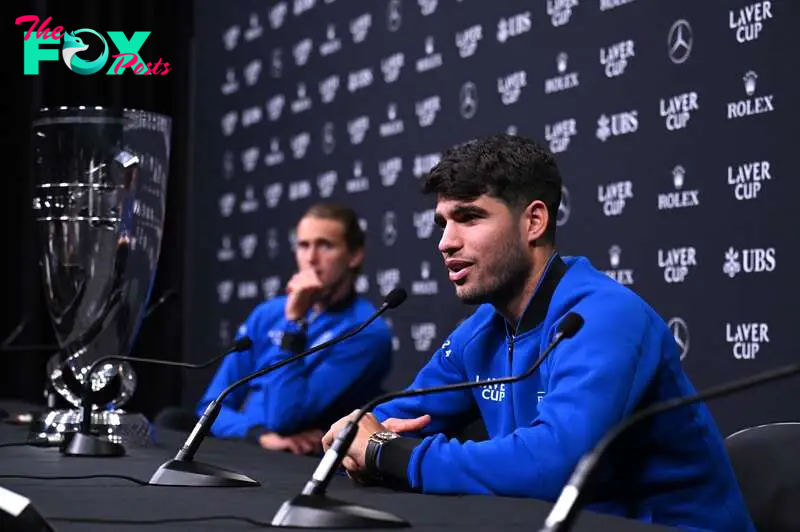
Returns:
point(319, 240)
point(462, 210)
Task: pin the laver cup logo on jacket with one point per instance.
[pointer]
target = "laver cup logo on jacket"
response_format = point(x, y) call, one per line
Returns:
point(492, 392)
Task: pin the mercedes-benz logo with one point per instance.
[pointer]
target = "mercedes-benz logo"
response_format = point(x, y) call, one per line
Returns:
point(680, 331)
point(394, 15)
point(469, 99)
point(389, 228)
point(564, 208)
point(277, 63)
point(679, 41)
point(328, 138)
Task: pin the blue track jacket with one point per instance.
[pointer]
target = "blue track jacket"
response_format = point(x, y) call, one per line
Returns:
point(671, 470)
point(313, 392)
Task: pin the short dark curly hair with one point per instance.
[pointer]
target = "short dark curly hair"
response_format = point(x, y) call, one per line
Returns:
point(511, 168)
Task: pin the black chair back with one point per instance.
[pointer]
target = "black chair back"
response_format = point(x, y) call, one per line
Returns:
point(766, 460)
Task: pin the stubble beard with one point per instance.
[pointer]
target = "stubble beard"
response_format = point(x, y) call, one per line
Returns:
point(503, 278)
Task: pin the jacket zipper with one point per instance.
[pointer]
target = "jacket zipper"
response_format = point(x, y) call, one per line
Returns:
point(509, 396)
point(511, 354)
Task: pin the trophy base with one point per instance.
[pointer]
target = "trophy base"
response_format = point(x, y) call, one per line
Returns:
point(55, 428)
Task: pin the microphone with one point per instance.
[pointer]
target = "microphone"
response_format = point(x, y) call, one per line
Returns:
point(83, 442)
point(565, 510)
point(312, 509)
point(184, 471)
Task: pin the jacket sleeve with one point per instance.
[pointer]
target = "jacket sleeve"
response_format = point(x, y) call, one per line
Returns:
point(298, 393)
point(596, 379)
point(446, 409)
point(231, 423)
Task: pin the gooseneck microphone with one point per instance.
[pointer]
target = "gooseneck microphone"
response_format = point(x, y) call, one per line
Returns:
point(83, 442)
point(565, 510)
point(184, 471)
point(312, 509)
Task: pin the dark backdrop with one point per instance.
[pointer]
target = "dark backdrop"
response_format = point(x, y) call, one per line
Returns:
point(665, 117)
point(170, 23)
point(278, 124)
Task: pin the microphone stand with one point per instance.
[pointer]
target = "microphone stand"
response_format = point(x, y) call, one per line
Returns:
point(184, 471)
point(312, 509)
point(17, 513)
point(84, 442)
point(565, 509)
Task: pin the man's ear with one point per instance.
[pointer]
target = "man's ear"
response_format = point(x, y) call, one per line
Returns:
point(356, 258)
point(535, 219)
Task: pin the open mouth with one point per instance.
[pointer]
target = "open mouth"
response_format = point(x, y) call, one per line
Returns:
point(457, 269)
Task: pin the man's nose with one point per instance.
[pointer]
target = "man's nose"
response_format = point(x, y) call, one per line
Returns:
point(313, 255)
point(450, 240)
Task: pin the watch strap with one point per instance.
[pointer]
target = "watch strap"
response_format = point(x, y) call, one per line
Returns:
point(374, 445)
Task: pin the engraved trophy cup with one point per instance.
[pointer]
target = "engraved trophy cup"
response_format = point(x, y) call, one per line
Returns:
point(100, 189)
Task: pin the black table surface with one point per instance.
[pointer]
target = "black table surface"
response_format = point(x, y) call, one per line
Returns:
point(124, 505)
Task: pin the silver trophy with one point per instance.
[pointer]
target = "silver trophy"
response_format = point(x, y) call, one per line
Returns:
point(100, 191)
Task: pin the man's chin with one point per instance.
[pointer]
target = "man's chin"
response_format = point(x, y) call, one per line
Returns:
point(470, 297)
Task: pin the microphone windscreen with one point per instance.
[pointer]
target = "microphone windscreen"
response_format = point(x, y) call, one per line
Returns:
point(570, 325)
point(242, 344)
point(395, 298)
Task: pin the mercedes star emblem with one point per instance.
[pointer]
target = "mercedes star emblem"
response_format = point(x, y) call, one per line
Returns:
point(679, 41)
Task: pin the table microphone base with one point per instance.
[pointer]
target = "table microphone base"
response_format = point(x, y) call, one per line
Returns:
point(17, 514)
point(79, 444)
point(188, 473)
point(318, 511)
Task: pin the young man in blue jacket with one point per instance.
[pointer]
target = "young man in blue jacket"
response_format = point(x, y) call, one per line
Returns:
point(287, 408)
point(497, 200)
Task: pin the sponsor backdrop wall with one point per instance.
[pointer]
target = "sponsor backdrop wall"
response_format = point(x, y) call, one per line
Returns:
point(672, 122)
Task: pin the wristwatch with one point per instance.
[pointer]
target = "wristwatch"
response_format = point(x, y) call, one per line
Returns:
point(374, 445)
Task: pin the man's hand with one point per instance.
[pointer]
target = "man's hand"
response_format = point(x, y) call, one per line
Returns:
point(406, 425)
point(309, 442)
point(303, 290)
point(369, 425)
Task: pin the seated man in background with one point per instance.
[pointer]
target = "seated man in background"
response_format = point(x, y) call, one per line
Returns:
point(496, 203)
point(285, 409)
